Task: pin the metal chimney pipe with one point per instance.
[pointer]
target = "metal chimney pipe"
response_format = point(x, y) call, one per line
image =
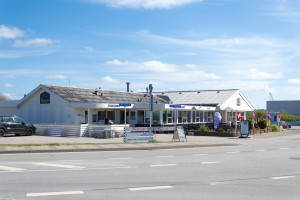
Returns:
point(128, 83)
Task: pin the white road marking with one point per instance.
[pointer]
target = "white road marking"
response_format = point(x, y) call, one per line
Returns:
point(11, 169)
point(53, 193)
point(71, 160)
point(233, 152)
point(205, 163)
point(282, 177)
point(164, 156)
point(163, 165)
point(260, 150)
point(59, 165)
point(284, 148)
point(120, 158)
point(151, 188)
point(200, 154)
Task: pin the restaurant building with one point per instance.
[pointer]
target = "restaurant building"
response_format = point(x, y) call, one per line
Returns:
point(71, 105)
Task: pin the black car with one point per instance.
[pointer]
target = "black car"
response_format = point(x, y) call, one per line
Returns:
point(15, 125)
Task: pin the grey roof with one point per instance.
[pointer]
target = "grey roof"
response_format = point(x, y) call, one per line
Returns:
point(199, 97)
point(82, 95)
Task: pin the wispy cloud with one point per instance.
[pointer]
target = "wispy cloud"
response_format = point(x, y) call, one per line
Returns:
point(145, 4)
point(9, 85)
point(90, 49)
point(294, 81)
point(38, 42)
point(57, 77)
point(109, 80)
point(286, 10)
point(257, 74)
point(10, 32)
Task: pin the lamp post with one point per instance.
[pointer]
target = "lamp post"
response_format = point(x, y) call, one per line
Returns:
point(151, 103)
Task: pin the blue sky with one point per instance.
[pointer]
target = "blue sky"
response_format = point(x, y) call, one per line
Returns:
point(250, 45)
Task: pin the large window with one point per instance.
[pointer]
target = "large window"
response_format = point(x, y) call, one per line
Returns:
point(156, 117)
point(140, 116)
point(201, 117)
point(147, 116)
point(198, 116)
point(132, 115)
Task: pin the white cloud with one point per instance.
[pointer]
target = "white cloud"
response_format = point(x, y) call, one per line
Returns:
point(294, 81)
point(90, 49)
point(257, 74)
point(158, 66)
point(9, 85)
point(145, 4)
point(57, 77)
point(116, 62)
point(38, 42)
point(110, 80)
point(10, 32)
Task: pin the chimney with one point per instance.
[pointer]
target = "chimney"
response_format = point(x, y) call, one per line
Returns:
point(128, 83)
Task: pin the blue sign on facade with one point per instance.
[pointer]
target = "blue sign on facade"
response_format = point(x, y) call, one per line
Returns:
point(176, 106)
point(124, 104)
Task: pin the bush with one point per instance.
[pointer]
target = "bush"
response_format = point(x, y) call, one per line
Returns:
point(262, 123)
point(250, 124)
point(274, 128)
point(203, 129)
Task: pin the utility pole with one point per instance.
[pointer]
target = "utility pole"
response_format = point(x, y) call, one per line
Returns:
point(151, 103)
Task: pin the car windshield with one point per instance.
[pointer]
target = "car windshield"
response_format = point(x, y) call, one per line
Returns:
point(19, 120)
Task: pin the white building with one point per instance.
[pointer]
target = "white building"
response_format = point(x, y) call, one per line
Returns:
point(71, 105)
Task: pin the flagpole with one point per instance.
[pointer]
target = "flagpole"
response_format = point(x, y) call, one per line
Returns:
point(253, 127)
point(235, 123)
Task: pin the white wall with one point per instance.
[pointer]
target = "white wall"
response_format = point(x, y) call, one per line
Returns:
point(56, 112)
point(10, 111)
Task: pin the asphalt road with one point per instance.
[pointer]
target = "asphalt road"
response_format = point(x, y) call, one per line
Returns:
point(269, 170)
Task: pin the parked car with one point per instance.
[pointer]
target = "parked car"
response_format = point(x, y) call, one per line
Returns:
point(15, 125)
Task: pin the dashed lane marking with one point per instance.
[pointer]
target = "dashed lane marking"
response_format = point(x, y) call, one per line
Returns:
point(232, 152)
point(163, 165)
point(151, 188)
point(120, 158)
point(206, 163)
point(260, 150)
point(11, 169)
point(282, 177)
point(60, 165)
point(53, 193)
point(284, 148)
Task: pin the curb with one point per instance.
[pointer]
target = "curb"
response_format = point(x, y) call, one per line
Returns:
point(130, 148)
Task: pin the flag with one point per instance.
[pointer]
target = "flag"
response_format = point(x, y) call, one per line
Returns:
point(254, 117)
point(280, 116)
point(217, 120)
point(239, 116)
point(270, 118)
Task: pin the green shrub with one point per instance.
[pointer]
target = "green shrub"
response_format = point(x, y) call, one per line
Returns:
point(250, 124)
point(274, 128)
point(203, 129)
point(262, 123)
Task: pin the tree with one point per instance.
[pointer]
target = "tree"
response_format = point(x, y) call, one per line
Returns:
point(3, 98)
point(262, 123)
point(259, 114)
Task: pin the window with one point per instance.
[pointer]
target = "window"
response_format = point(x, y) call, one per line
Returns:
point(205, 117)
point(45, 98)
point(140, 116)
point(179, 117)
point(8, 119)
point(238, 102)
point(101, 115)
point(184, 117)
point(171, 116)
point(110, 114)
point(201, 117)
point(147, 117)
point(132, 115)
point(156, 117)
point(19, 121)
point(188, 116)
point(198, 116)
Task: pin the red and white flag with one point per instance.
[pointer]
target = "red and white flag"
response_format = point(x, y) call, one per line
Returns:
point(269, 116)
point(280, 116)
point(239, 116)
point(254, 117)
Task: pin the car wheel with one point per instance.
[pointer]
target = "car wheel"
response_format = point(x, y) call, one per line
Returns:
point(29, 132)
point(2, 132)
